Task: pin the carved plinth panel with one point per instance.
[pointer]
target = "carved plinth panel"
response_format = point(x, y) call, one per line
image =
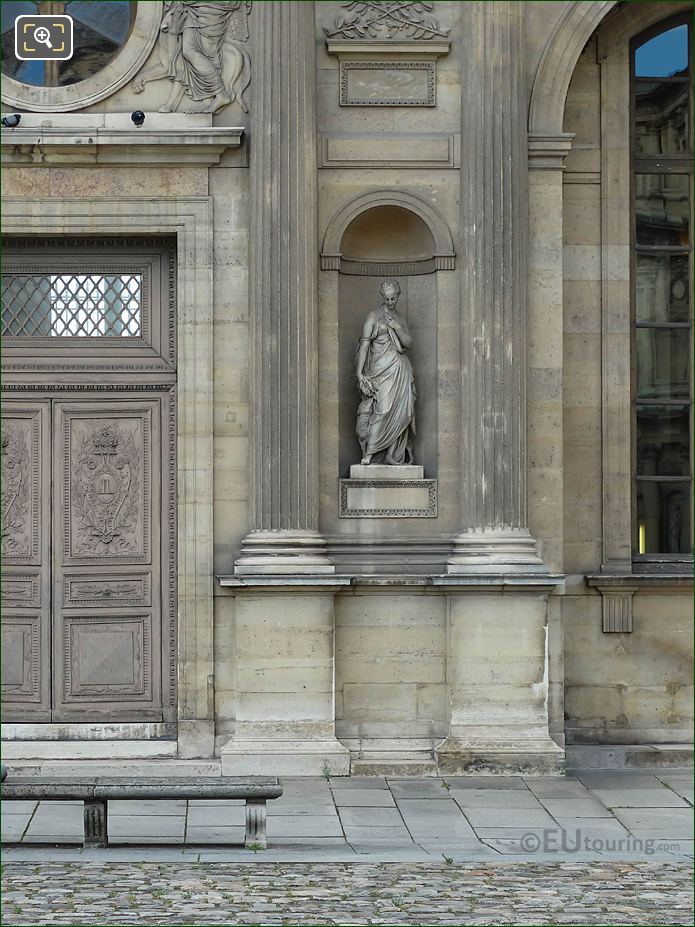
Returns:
point(392, 498)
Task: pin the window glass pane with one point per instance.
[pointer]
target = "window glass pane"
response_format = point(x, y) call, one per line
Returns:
point(661, 209)
point(661, 118)
point(76, 305)
point(663, 365)
point(10, 10)
point(111, 20)
point(662, 288)
point(666, 55)
point(663, 517)
point(662, 440)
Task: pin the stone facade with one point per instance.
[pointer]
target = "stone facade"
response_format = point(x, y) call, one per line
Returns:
point(478, 154)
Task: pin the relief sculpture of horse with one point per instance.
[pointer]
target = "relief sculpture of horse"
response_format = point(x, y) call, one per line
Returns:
point(201, 51)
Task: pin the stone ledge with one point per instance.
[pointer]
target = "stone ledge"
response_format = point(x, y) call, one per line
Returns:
point(660, 581)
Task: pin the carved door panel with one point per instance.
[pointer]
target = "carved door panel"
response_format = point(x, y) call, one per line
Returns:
point(26, 578)
point(107, 625)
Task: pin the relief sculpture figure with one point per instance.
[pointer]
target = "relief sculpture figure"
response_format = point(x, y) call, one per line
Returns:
point(201, 52)
point(386, 414)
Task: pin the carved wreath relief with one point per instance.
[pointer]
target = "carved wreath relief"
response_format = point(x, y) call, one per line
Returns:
point(201, 52)
point(16, 493)
point(106, 501)
point(387, 20)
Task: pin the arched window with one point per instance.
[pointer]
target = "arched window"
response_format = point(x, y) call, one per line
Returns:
point(661, 144)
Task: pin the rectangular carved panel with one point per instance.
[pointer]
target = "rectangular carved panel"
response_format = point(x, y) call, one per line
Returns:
point(112, 588)
point(21, 591)
point(107, 658)
point(21, 659)
point(387, 83)
point(107, 486)
point(21, 487)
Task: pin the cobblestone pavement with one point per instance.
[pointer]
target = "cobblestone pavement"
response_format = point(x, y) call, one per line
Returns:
point(347, 894)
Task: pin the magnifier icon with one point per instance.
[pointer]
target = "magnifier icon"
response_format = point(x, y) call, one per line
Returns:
point(42, 35)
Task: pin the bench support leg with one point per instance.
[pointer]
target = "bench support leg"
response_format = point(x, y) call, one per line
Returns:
point(95, 825)
point(255, 824)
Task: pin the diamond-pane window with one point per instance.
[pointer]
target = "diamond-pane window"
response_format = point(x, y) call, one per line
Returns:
point(72, 305)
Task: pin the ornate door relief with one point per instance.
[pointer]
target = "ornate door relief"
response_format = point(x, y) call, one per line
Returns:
point(26, 577)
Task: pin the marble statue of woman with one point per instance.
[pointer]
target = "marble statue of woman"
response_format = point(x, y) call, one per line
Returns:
point(386, 415)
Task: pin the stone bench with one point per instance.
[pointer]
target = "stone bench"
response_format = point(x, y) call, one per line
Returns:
point(97, 791)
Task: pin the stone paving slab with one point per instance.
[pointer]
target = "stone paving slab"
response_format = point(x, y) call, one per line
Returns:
point(667, 822)
point(407, 893)
point(576, 807)
point(421, 817)
point(363, 798)
point(640, 798)
point(494, 798)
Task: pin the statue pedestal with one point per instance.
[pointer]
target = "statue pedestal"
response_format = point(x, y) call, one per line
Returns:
point(380, 491)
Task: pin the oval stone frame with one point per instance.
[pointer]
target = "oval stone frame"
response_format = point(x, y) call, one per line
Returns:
point(117, 72)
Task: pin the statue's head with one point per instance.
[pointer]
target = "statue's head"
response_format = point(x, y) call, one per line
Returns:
point(390, 291)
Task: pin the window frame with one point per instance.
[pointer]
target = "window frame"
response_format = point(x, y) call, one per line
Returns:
point(153, 258)
point(670, 164)
point(122, 68)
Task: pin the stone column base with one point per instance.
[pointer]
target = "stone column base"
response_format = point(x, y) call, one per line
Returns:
point(285, 553)
point(504, 550)
point(285, 758)
point(469, 756)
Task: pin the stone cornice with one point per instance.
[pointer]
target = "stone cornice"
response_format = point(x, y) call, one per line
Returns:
point(43, 140)
point(351, 50)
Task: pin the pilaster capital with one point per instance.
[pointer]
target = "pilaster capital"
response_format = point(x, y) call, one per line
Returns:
point(548, 152)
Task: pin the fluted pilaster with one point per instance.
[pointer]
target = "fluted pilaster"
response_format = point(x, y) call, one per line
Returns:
point(284, 296)
point(494, 220)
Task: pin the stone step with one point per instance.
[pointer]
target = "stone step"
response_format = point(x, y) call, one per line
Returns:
point(628, 756)
point(77, 750)
point(397, 765)
point(126, 767)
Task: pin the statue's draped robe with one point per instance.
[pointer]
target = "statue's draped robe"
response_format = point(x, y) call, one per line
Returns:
point(391, 419)
point(205, 25)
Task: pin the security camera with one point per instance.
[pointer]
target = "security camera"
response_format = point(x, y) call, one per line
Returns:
point(138, 117)
point(11, 122)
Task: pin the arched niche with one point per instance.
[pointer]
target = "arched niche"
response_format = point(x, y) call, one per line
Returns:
point(395, 214)
point(380, 235)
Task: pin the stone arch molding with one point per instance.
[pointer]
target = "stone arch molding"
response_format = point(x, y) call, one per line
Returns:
point(444, 257)
point(559, 58)
point(111, 78)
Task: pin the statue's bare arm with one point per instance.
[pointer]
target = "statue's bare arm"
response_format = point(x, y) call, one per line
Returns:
point(368, 331)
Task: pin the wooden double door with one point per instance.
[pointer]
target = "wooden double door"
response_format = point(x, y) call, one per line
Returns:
point(87, 557)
